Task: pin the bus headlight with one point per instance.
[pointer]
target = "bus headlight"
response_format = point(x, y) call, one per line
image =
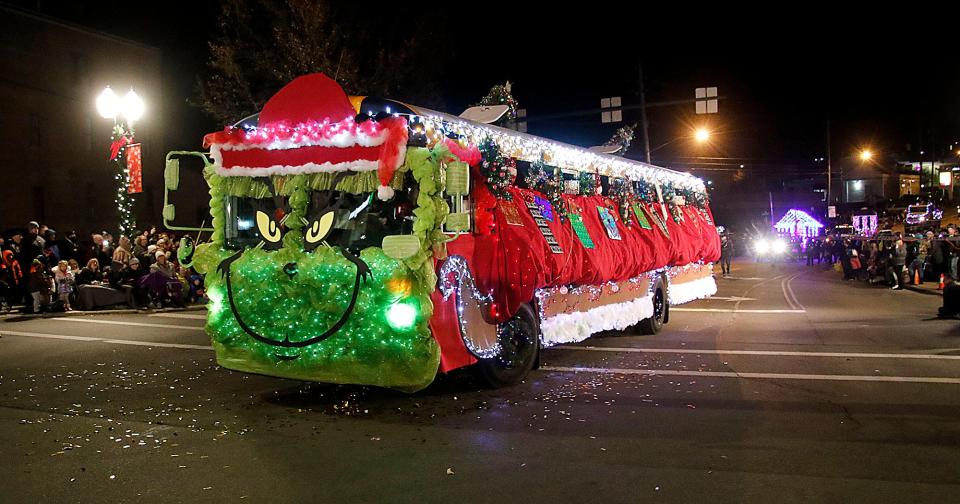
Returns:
point(401, 316)
point(761, 246)
point(779, 246)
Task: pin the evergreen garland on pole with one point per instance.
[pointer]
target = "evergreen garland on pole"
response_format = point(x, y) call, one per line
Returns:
point(120, 138)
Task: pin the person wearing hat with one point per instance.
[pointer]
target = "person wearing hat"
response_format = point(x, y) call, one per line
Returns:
point(32, 245)
point(150, 256)
point(130, 280)
point(161, 283)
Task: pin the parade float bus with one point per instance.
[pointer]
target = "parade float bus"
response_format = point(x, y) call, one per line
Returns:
point(365, 241)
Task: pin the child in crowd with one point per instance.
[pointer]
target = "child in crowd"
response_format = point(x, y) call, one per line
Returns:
point(63, 280)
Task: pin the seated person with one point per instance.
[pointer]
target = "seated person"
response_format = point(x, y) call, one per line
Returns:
point(162, 284)
point(129, 277)
point(91, 274)
point(951, 298)
point(93, 292)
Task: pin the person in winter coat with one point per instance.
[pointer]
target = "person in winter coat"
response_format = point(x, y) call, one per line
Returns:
point(11, 277)
point(130, 277)
point(898, 258)
point(39, 285)
point(63, 281)
point(162, 283)
point(726, 253)
point(90, 274)
point(70, 247)
point(121, 256)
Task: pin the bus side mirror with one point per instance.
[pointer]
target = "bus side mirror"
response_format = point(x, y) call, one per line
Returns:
point(401, 246)
point(171, 174)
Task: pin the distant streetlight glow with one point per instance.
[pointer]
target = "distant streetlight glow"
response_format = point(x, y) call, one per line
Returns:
point(866, 155)
point(108, 104)
point(701, 135)
point(133, 107)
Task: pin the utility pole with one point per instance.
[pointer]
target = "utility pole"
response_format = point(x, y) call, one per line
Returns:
point(643, 115)
point(829, 168)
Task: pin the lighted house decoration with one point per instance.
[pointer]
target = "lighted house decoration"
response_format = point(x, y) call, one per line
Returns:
point(798, 224)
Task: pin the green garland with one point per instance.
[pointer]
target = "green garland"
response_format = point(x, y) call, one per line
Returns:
point(549, 181)
point(367, 349)
point(588, 183)
point(621, 192)
point(498, 171)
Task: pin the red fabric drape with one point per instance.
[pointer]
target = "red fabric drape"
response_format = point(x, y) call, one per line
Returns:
point(513, 261)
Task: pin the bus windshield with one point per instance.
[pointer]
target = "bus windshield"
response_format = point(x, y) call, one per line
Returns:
point(360, 220)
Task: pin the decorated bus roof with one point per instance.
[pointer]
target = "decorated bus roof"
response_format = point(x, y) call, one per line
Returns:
point(309, 126)
point(532, 148)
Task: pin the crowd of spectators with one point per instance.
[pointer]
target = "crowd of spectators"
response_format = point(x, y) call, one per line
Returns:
point(894, 260)
point(40, 270)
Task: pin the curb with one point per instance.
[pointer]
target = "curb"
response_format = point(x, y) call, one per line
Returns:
point(19, 317)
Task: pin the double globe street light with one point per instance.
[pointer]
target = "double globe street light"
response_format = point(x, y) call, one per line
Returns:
point(124, 111)
point(111, 106)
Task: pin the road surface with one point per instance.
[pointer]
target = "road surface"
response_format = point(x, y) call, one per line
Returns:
point(790, 386)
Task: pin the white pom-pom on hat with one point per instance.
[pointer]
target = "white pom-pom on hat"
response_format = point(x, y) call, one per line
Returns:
point(385, 193)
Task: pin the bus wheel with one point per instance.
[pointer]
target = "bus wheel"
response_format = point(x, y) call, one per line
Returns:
point(653, 324)
point(519, 348)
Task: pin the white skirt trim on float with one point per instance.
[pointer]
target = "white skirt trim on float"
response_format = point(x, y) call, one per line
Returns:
point(685, 292)
point(578, 326)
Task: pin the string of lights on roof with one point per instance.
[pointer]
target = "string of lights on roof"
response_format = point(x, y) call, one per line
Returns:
point(567, 157)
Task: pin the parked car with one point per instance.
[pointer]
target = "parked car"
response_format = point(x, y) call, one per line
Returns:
point(922, 216)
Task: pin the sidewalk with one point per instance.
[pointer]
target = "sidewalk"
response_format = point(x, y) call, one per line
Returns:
point(17, 317)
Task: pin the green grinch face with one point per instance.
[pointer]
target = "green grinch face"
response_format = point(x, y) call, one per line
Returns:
point(316, 300)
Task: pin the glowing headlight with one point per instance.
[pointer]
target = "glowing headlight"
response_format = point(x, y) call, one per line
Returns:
point(401, 316)
point(761, 246)
point(779, 246)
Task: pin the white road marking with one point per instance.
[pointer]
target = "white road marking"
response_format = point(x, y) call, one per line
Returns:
point(189, 316)
point(792, 294)
point(762, 376)
point(776, 353)
point(105, 340)
point(133, 324)
point(743, 278)
point(731, 298)
point(788, 294)
point(733, 310)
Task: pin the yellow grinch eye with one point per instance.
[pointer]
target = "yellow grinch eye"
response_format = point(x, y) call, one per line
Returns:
point(319, 228)
point(268, 228)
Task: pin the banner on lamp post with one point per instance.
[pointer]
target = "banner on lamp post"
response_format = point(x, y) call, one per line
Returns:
point(134, 169)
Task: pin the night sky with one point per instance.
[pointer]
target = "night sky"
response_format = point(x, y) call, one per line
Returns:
point(884, 80)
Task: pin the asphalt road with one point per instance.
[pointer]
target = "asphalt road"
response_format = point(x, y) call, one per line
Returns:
point(790, 386)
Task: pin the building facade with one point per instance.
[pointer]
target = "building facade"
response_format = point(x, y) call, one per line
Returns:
point(55, 147)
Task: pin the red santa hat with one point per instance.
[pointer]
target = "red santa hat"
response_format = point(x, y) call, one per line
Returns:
point(308, 127)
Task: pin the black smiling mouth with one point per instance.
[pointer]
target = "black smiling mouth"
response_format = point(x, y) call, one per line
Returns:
point(363, 272)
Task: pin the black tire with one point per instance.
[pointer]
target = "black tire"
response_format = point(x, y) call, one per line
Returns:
point(520, 348)
point(654, 324)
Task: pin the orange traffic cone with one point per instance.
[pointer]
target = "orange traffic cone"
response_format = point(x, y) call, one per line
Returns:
point(916, 276)
point(940, 287)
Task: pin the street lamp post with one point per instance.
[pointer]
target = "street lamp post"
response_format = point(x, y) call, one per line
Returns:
point(125, 112)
